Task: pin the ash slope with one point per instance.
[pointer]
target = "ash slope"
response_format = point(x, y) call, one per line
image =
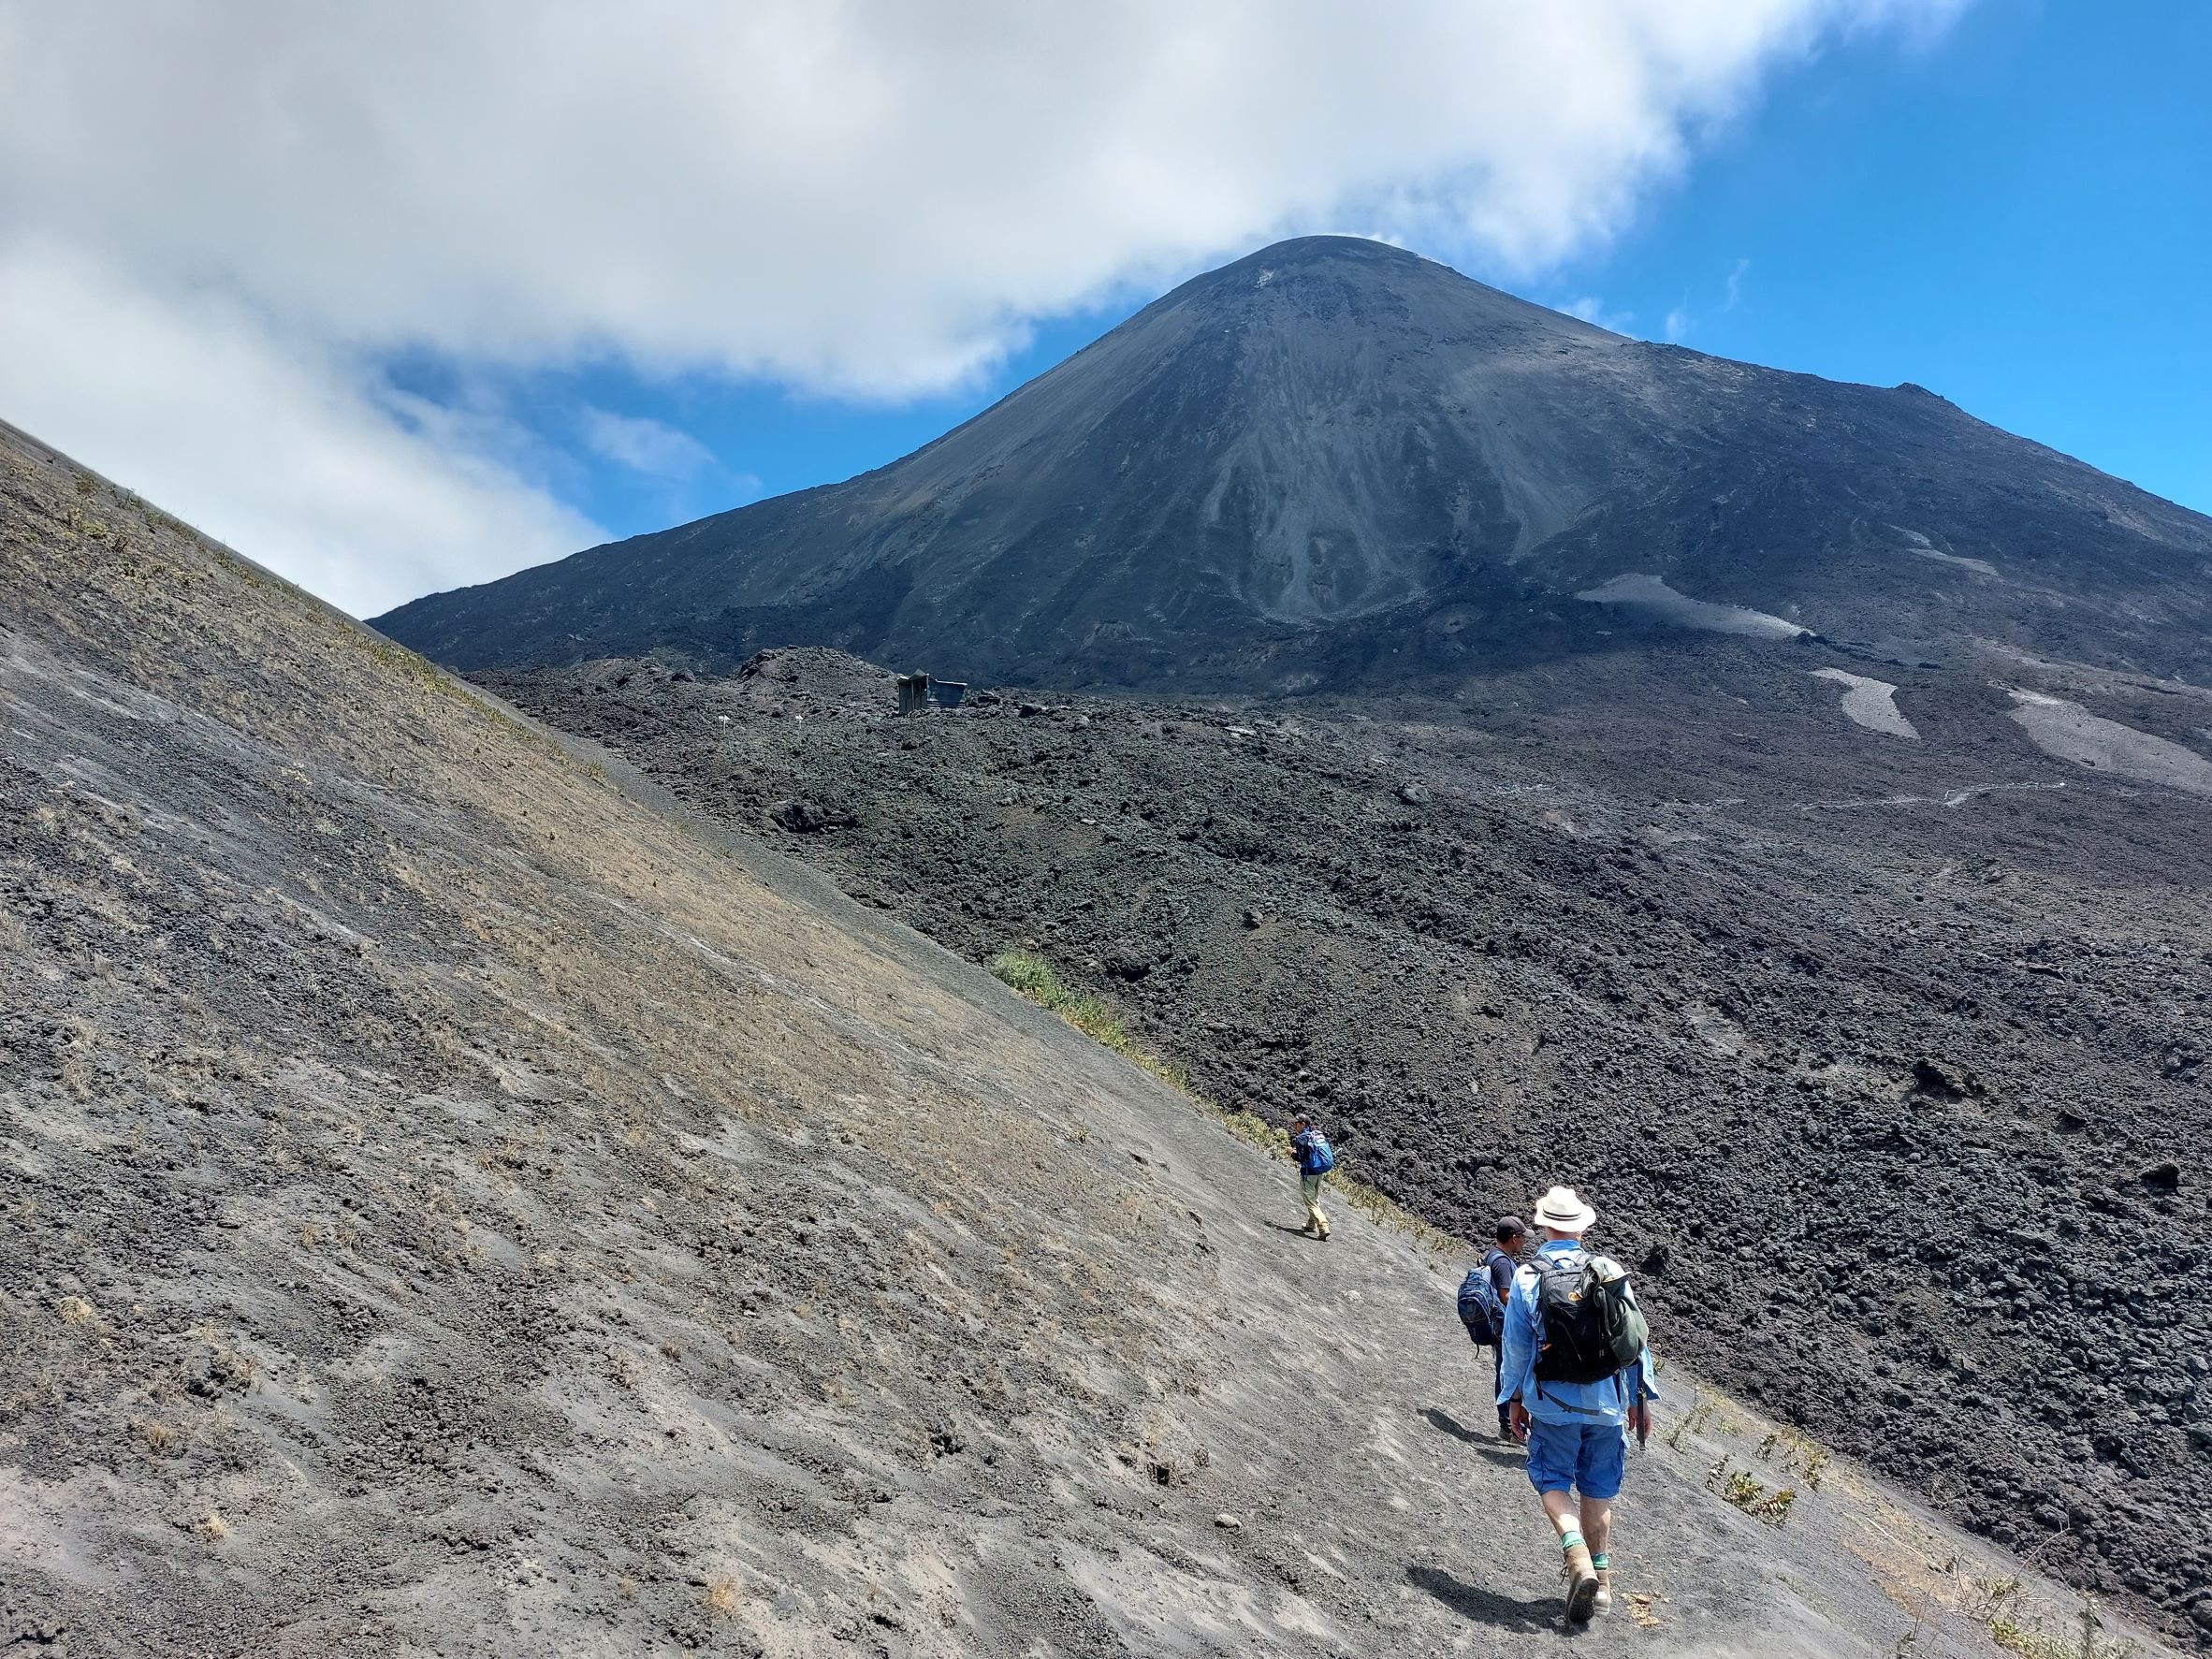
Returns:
point(1882, 1049)
point(1334, 460)
point(450, 1206)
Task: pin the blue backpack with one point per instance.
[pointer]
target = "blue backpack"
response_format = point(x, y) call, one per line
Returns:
point(1319, 1158)
point(1480, 1311)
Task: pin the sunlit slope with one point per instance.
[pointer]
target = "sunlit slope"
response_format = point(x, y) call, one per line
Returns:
point(449, 1206)
point(1334, 461)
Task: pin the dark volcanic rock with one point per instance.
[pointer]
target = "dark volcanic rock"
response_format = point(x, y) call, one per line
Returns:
point(1336, 461)
point(1863, 1046)
point(805, 817)
point(454, 1202)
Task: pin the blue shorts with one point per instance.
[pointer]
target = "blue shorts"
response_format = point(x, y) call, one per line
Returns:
point(1588, 1458)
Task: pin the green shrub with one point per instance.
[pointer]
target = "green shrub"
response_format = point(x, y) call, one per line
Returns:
point(1035, 978)
point(1749, 1493)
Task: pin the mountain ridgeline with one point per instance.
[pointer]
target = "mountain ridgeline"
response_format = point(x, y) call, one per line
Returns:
point(1336, 462)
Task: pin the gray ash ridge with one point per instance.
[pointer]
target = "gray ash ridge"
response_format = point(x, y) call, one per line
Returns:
point(454, 1200)
point(1886, 1055)
point(1334, 463)
point(1545, 729)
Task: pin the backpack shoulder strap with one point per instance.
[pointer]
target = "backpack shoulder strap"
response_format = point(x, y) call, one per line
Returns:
point(1548, 1262)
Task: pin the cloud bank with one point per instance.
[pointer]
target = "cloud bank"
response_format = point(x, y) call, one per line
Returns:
point(644, 446)
point(220, 219)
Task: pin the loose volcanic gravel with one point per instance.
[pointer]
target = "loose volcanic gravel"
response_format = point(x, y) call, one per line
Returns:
point(453, 1204)
point(1887, 1056)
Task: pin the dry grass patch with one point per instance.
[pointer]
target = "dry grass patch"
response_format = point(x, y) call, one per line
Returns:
point(1749, 1493)
point(228, 1368)
point(1995, 1602)
point(1794, 1452)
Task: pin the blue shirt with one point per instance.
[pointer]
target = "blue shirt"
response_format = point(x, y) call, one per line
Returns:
point(1607, 1401)
point(1309, 1156)
point(1502, 1269)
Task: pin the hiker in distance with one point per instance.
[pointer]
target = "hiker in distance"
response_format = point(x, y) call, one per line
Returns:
point(1575, 1374)
point(1484, 1294)
point(1314, 1158)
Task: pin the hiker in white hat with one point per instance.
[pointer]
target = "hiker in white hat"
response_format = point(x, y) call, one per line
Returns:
point(1575, 1374)
point(1564, 1214)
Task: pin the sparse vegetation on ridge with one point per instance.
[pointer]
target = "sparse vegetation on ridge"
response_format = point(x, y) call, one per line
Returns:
point(1749, 1493)
point(1039, 982)
point(1705, 1414)
point(1791, 1449)
point(1996, 1604)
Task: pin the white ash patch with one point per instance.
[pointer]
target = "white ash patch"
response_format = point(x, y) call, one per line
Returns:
point(1652, 597)
point(1980, 567)
point(1870, 703)
point(2068, 731)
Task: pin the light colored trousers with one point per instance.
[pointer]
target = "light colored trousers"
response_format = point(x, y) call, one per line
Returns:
point(1309, 1188)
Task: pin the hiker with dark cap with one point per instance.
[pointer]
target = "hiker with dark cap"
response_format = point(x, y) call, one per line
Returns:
point(1484, 1294)
point(1576, 1373)
point(1316, 1158)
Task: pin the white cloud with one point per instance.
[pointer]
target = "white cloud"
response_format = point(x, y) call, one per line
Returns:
point(645, 445)
point(1680, 320)
point(1590, 309)
point(269, 445)
point(868, 196)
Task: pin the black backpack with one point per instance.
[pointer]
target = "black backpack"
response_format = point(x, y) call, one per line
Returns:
point(1591, 1328)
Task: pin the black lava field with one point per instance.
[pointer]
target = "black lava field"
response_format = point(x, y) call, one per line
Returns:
point(1881, 1059)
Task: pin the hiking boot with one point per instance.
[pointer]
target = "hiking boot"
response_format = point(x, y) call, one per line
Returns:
point(1582, 1583)
point(1602, 1602)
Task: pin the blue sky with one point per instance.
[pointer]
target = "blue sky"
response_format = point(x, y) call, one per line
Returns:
point(2016, 214)
point(260, 261)
point(2019, 218)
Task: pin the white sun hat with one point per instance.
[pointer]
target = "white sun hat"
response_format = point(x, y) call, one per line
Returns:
point(1562, 1212)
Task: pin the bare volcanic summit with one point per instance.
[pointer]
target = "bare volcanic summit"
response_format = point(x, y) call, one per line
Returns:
point(1337, 461)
